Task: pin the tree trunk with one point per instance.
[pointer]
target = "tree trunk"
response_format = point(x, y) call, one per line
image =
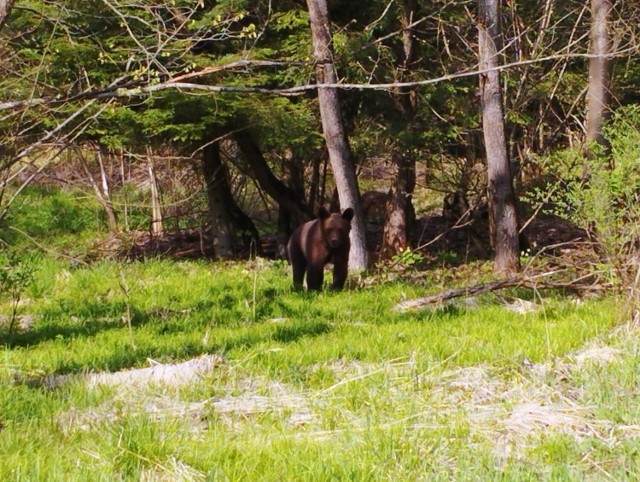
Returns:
point(399, 214)
point(501, 196)
point(334, 133)
point(124, 179)
point(600, 67)
point(157, 226)
point(5, 10)
point(102, 194)
point(228, 221)
point(314, 183)
point(293, 173)
point(218, 192)
point(286, 197)
point(294, 179)
point(318, 180)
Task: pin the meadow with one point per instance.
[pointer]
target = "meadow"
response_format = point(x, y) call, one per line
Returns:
point(198, 370)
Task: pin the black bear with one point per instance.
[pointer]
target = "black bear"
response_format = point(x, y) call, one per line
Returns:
point(318, 242)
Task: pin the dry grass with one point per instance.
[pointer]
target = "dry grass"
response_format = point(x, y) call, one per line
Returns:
point(510, 413)
point(152, 391)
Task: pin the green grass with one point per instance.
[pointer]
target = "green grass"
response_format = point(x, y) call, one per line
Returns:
point(371, 378)
point(312, 386)
point(54, 219)
point(175, 306)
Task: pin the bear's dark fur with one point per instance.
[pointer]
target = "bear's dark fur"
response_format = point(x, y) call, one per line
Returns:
point(318, 242)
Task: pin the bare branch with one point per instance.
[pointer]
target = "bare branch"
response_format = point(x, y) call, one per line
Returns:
point(143, 89)
point(532, 282)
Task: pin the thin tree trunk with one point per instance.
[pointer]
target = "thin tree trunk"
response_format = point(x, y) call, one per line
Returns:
point(125, 207)
point(334, 132)
point(106, 193)
point(5, 10)
point(314, 183)
point(502, 200)
point(600, 66)
point(399, 213)
point(294, 177)
point(102, 194)
point(318, 181)
point(231, 226)
point(294, 180)
point(103, 174)
point(157, 226)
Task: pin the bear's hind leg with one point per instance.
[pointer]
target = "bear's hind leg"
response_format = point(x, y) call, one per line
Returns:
point(299, 269)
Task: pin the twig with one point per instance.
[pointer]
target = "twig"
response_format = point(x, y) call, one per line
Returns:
point(124, 287)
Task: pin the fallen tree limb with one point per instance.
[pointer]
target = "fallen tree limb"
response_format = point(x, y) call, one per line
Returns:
point(532, 282)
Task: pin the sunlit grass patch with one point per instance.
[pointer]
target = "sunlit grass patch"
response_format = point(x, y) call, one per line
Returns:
point(309, 386)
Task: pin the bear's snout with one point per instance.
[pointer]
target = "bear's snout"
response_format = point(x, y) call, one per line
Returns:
point(335, 242)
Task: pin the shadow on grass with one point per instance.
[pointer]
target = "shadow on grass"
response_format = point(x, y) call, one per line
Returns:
point(288, 334)
point(125, 355)
point(109, 316)
point(70, 319)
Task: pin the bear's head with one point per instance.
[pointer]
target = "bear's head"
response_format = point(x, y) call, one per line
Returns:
point(336, 227)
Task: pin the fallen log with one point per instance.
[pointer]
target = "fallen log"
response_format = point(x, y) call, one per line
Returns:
point(517, 282)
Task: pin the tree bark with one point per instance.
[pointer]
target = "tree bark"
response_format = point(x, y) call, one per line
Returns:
point(293, 178)
point(399, 214)
point(157, 225)
point(286, 197)
point(600, 69)
point(218, 191)
point(501, 196)
point(334, 132)
point(227, 219)
point(5, 10)
point(103, 194)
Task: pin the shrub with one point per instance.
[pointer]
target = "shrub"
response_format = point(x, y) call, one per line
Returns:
point(601, 195)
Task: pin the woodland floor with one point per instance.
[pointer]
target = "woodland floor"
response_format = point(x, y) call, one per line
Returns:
point(432, 236)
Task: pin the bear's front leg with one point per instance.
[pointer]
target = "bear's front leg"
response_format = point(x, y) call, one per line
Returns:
point(315, 277)
point(340, 271)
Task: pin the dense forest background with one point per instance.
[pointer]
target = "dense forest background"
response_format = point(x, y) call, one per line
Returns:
point(197, 126)
point(155, 157)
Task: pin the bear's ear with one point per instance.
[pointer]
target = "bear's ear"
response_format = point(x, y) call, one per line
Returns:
point(323, 213)
point(348, 214)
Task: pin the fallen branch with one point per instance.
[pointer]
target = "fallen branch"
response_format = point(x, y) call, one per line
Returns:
point(532, 282)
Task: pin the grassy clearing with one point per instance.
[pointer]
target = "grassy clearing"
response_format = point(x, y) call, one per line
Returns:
point(329, 386)
point(168, 370)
